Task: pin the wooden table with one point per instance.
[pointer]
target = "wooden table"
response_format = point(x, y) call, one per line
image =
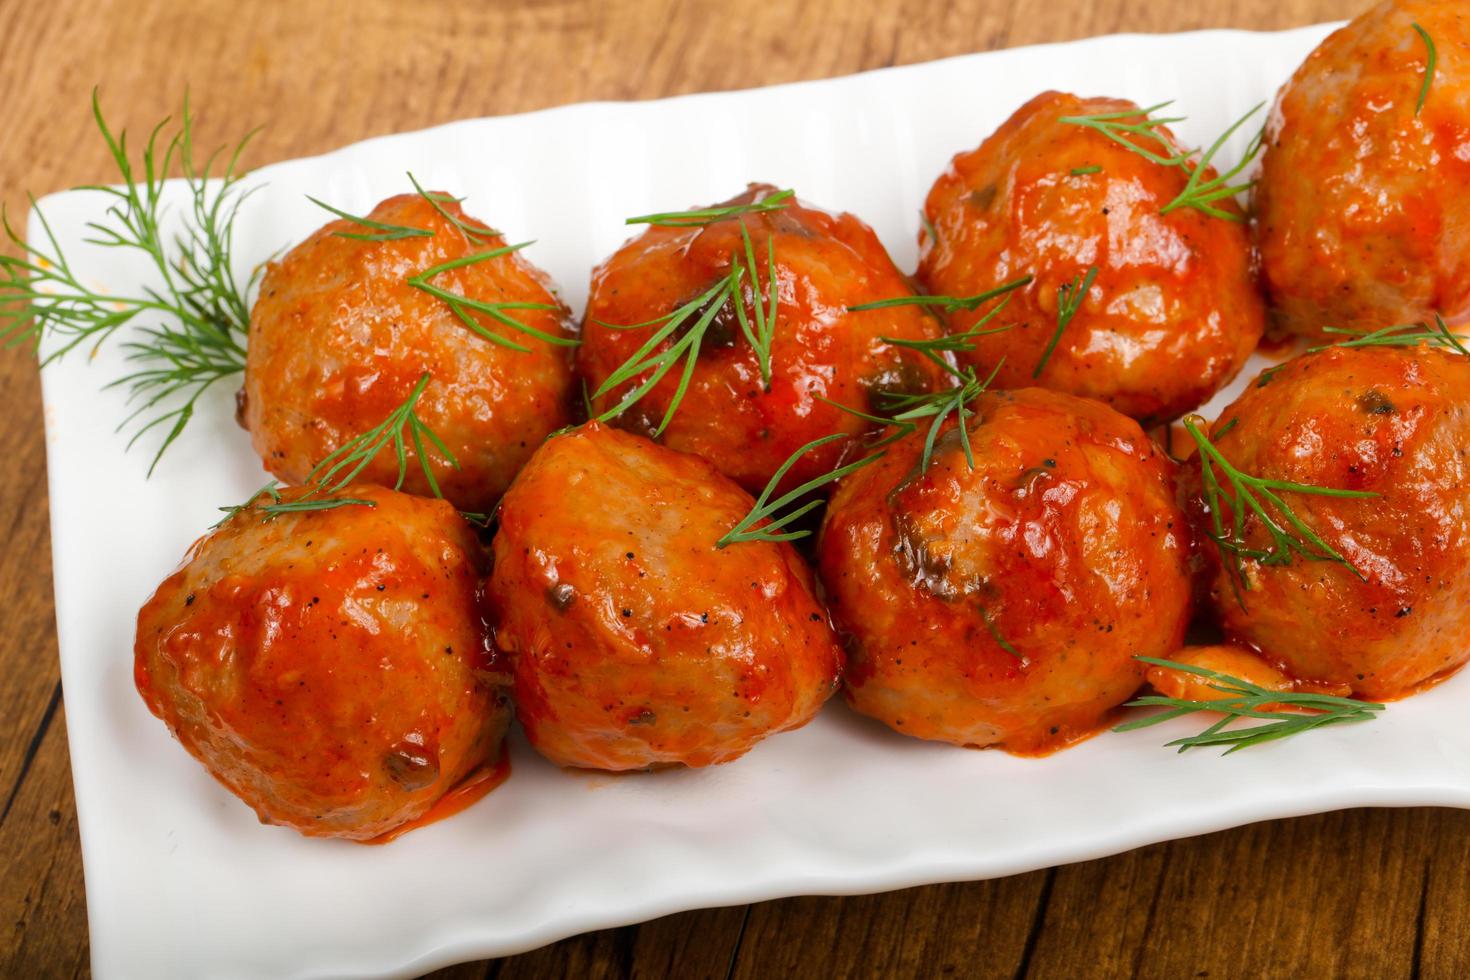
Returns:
point(1373, 893)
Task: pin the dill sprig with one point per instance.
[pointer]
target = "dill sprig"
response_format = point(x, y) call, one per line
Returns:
point(957, 343)
point(648, 357)
point(1290, 535)
point(1244, 700)
point(728, 289)
point(948, 304)
point(908, 411)
point(763, 335)
point(475, 233)
point(1117, 127)
point(378, 231)
point(1069, 300)
point(463, 306)
point(400, 429)
point(192, 327)
point(928, 227)
point(1145, 138)
point(1430, 65)
point(1437, 334)
point(766, 508)
point(1202, 194)
point(706, 216)
point(1000, 640)
point(937, 406)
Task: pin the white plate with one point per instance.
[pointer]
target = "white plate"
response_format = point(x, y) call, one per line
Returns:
point(183, 882)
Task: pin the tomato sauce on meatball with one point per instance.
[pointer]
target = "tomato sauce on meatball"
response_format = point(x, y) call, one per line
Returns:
point(339, 337)
point(1003, 605)
point(1394, 423)
point(1363, 205)
point(821, 350)
point(636, 642)
point(1171, 313)
point(331, 668)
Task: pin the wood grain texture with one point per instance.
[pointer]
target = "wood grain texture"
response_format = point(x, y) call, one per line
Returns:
point(1370, 893)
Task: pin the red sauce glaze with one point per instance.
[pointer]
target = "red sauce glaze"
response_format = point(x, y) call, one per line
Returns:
point(338, 339)
point(1064, 542)
point(1363, 206)
point(635, 641)
point(472, 790)
point(1174, 310)
point(1395, 422)
point(331, 668)
point(824, 264)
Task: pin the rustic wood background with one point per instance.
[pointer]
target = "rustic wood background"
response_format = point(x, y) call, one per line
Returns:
point(1368, 893)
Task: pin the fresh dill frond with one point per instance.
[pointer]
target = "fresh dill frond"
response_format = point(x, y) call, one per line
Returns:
point(1437, 334)
point(475, 234)
point(762, 336)
point(1069, 300)
point(191, 326)
point(1119, 125)
point(706, 216)
point(1139, 131)
point(1243, 700)
point(401, 429)
point(928, 227)
point(1291, 537)
point(1201, 194)
point(765, 508)
point(757, 327)
point(378, 231)
point(1431, 64)
point(463, 306)
point(948, 304)
point(657, 362)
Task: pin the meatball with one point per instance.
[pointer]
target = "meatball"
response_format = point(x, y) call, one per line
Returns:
point(821, 350)
point(339, 338)
point(635, 641)
point(332, 667)
point(1172, 311)
point(1002, 605)
point(1394, 423)
point(1361, 210)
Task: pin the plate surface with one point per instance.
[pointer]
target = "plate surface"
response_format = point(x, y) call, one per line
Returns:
point(183, 882)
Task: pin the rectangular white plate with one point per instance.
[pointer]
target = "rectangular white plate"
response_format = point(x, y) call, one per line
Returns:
point(183, 882)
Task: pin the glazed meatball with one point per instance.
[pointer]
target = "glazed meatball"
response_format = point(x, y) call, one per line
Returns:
point(1361, 210)
point(331, 668)
point(1393, 423)
point(1173, 311)
point(1002, 605)
point(636, 642)
point(824, 264)
point(339, 338)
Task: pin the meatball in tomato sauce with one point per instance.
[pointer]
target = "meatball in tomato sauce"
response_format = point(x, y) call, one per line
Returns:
point(821, 352)
point(1002, 604)
point(1362, 210)
point(341, 334)
point(332, 667)
point(1391, 426)
point(1161, 308)
point(636, 641)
